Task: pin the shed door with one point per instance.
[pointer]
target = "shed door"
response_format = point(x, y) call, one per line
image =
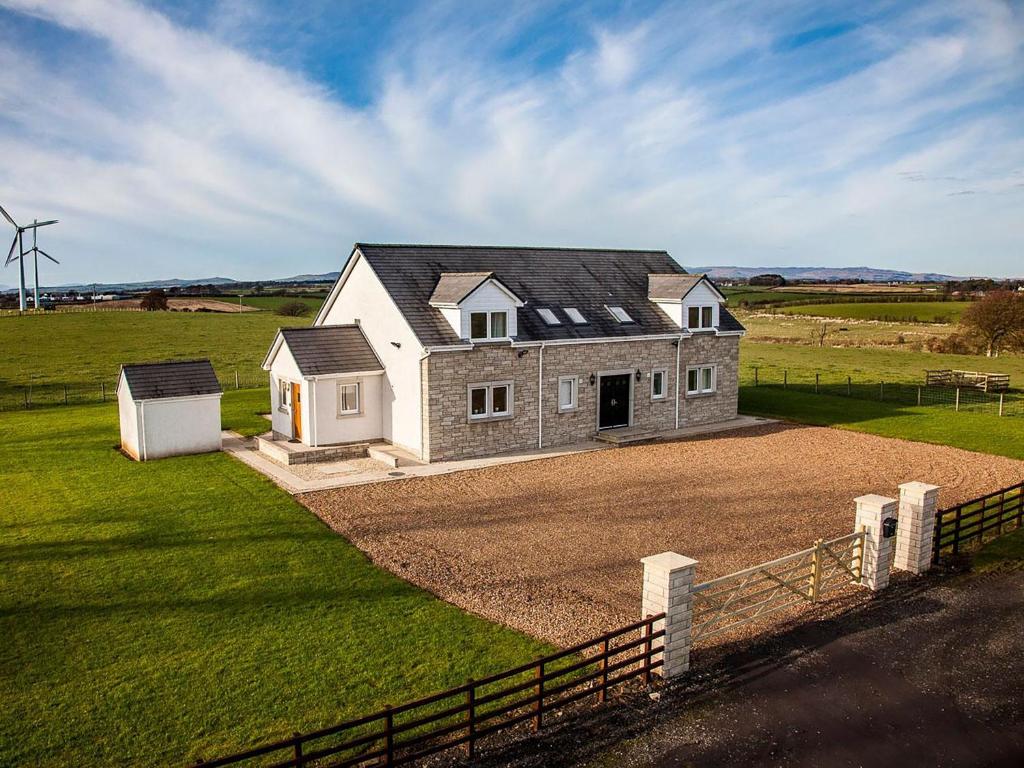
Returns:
point(296, 411)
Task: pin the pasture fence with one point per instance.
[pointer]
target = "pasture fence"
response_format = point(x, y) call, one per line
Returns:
point(23, 397)
point(972, 523)
point(465, 715)
point(967, 398)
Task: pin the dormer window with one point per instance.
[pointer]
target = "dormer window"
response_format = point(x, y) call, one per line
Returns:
point(548, 316)
point(700, 317)
point(620, 314)
point(575, 315)
point(488, 325)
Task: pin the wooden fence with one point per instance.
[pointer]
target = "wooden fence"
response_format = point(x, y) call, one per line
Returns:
point(463, 716)
point(727, 603)
point(968, 525)
point(986, 382)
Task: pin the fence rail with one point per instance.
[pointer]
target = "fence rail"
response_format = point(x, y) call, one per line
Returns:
point(15, 397)
point(967, 399)
point(968, 525)
point(464, 715)
point(727, 603)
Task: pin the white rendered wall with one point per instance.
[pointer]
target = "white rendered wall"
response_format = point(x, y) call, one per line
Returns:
point(331, 428)
point(128, 416)
point(364, 298)
point(284, 368)
point(673, 309)
point(178, 427)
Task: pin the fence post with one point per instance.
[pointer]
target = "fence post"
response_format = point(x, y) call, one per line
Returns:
point(755, 375)
point(103, 392)
point(602, 695)
point(389, 735)
point(876, 559)
point(1000, 403)
point(668, 579)
point(881, 390)
point(538, 692)
point(849, 386)
point(298, 749)
point(958, 399)
point(919, 395)
point(65, 394)
point(919, 503)
point(815, 587)
point(817, 379)
point(785, 379)
point(236, 379)
point(470, 719)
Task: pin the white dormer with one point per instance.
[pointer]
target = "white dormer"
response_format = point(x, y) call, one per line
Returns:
point(692, 301)
point(477, 305)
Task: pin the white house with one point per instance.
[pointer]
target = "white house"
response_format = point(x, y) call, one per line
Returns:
point(453, 352)
point(169, 409)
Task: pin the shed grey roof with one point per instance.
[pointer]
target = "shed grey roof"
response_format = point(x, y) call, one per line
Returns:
point(176, 378)
point(587, 279)
point(329, 349)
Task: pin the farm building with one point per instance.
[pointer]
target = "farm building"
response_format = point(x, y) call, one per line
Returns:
point(169, 409)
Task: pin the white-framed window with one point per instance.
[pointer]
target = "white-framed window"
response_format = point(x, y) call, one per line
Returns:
point(284, 395)
point(568, 392)
point(659, 384)
point(488, 325)
point(575, 315)
point(548, 316)
point(619, 314)
point(700, 379)
point(488, 401)
point(700, 316)
point(348, 398)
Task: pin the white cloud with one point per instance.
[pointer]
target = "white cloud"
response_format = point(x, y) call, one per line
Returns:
point(185, 155)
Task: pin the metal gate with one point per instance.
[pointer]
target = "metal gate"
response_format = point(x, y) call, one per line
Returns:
point(728, 602)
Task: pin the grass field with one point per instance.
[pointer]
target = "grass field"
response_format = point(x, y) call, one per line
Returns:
point(152, 613)
point(87, 348)
point(889, 311)
point(271, 303)
point(800, 329)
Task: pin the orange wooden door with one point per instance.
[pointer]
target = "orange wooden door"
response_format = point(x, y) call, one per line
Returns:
point(296, 411)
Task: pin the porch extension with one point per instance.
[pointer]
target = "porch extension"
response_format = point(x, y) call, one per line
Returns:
point(288, 453)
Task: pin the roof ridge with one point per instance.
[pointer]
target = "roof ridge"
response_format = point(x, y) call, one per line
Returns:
point(570, 249)
point(168, 362)
point(319, 327)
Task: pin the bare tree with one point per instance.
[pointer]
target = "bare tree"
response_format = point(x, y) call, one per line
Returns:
point(819, 332)
point(997, 321)
point(154, 301)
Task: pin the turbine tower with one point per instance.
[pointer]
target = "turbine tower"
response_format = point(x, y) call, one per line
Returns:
point(18, 243)
point(36, 252)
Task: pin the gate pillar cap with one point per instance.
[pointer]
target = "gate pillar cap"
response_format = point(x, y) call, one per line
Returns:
point(916, 487)
point(874, 500)
point(669, 561)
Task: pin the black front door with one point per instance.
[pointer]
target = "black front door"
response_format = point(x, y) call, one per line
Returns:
point(613, 410)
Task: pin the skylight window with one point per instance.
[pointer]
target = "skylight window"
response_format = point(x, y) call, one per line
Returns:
point(575, 315)
point(620, 314)
point(548, 316)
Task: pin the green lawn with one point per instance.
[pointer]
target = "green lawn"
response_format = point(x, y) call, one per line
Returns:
point(153, 613)
point(890, 311)
point(85, 348)
point(929, 424)
point(314, 302)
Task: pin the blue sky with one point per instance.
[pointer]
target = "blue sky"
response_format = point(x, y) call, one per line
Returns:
point(260, 139)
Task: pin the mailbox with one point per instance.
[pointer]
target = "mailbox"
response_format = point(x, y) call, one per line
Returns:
point(889, 527)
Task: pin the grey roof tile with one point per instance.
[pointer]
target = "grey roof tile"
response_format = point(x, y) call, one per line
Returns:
point(174, 378)
point(330, 349)
point(453, 287)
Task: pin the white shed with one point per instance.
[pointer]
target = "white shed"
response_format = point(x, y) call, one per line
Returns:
point(169, 409)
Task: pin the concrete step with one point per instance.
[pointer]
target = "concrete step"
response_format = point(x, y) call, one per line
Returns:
point(625, 435)
point(380, 454)
point(392, 456)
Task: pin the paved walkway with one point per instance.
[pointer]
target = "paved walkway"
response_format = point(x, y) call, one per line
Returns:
point(324, 476)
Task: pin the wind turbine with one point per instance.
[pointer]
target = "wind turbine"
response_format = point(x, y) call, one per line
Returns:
point(19, 244)
point(36, 252)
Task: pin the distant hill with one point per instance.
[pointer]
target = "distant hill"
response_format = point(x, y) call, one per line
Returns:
point(326, 277)
point(224, 282)
point(826, 274)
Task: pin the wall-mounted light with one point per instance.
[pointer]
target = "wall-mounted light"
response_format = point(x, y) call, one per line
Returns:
point(638, 374)
point(592, 379)
point(396, 344)
point(521, 352)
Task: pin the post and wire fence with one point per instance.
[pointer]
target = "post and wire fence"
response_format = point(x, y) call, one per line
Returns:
point(965, 399)
point(29, 396)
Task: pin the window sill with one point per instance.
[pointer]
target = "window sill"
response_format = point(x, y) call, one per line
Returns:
point(701, 330)
point(487, 419)
point(662, 399)
point(694, 395)
point(569, 410)
point(503, 340)
point(349, 415)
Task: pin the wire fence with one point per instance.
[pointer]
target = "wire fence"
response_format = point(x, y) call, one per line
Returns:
point(957, 399)
point(23, 397)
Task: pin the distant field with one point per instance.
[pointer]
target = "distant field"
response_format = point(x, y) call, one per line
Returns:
point(890, 311)
point(89, 347)
point(859, 288)
point(800, 294)
point(799, 329)
point(273, 302)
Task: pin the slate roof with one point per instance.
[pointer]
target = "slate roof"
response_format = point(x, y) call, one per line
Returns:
point(324, 350)
point(672, 286)
point(453, 287)
point(587, 279)
point(178, 378)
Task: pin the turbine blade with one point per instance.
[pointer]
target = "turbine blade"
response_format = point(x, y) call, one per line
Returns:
point(40, 224)
point(10, 253)
point(44, 253)
point(8, 216)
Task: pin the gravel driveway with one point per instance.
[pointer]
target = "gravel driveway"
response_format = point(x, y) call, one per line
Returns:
point(552, 547)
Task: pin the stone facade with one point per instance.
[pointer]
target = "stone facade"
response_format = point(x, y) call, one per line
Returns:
point(448, 433)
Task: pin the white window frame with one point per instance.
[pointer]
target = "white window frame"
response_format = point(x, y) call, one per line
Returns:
point(700, 390)
point(700, 316)
point(619, 313)
point(548, 316)
point(490, 313)
point(575, 399)
point(664, 383)
point(284, 395)
point(359, 397)
point(575, 315)
point(490, 386)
